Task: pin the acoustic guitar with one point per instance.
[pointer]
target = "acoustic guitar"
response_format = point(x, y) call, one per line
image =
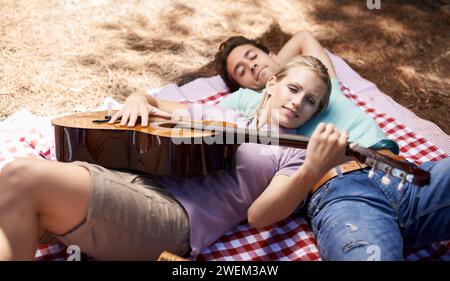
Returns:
point(187, 149)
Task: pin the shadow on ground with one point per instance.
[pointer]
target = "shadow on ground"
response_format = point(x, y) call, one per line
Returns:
point(403, 48)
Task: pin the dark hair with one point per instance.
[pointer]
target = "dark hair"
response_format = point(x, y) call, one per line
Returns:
point(224, 51)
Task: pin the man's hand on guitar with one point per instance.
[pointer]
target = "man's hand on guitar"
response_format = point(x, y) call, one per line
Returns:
point(326, 148)
point(135, 106)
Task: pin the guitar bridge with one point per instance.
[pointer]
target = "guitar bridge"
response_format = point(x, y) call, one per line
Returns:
point(107, 118)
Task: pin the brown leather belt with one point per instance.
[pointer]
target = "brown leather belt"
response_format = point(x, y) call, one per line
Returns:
point(350, 167)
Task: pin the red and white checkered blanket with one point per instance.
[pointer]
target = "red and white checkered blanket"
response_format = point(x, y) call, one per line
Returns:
point(291, 239)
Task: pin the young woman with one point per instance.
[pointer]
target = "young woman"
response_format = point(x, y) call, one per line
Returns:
point(117, 215)
point(354, 217)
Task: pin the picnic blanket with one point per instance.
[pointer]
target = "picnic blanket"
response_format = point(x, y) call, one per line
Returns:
point(290, 239)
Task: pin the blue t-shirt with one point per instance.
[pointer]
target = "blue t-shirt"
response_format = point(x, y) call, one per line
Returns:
point(341, 112)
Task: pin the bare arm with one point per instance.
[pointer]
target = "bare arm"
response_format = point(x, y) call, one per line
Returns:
point(326, 150)
point(143, 105)
point(284, 192)
point(304, 43)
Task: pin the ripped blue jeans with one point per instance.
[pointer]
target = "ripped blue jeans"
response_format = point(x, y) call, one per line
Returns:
point(357, 218)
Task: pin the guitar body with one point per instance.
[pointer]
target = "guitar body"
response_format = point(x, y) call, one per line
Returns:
point(152, 149)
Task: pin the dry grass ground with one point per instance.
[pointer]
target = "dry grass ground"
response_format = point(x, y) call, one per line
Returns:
point(55, 54)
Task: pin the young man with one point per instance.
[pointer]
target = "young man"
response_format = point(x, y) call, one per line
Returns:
point(353, 216)
point(352, 219)
point(247, 64)
point(118, 215)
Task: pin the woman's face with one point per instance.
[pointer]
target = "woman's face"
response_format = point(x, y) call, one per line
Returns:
point(296, 98)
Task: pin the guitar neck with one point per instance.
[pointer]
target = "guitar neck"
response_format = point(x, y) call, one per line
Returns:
point(362, 154)
point(241, 135)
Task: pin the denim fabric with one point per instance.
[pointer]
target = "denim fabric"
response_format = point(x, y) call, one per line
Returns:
point(357, 218)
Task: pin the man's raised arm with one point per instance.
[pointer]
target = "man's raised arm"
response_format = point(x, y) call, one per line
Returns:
point(304, 43)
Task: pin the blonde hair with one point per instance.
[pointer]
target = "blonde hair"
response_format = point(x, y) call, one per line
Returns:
point(313, 64)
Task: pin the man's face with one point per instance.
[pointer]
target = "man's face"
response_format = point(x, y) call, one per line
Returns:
point(251, 67)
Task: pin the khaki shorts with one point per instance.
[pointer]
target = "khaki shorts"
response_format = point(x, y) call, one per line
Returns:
point(129, 217)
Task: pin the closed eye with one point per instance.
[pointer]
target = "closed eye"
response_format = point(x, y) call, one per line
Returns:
point(240, 70)
point(293, 90)
point(251, 55)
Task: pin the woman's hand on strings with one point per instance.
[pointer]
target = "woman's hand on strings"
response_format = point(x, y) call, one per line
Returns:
point(137, 106)
point(326, 148)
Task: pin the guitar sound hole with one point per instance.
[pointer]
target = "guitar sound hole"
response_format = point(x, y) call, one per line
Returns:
point(167, 125)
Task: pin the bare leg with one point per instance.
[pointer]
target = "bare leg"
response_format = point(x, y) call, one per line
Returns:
point(39, 194)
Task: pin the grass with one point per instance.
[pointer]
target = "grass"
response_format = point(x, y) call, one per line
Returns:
point(55, 55)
